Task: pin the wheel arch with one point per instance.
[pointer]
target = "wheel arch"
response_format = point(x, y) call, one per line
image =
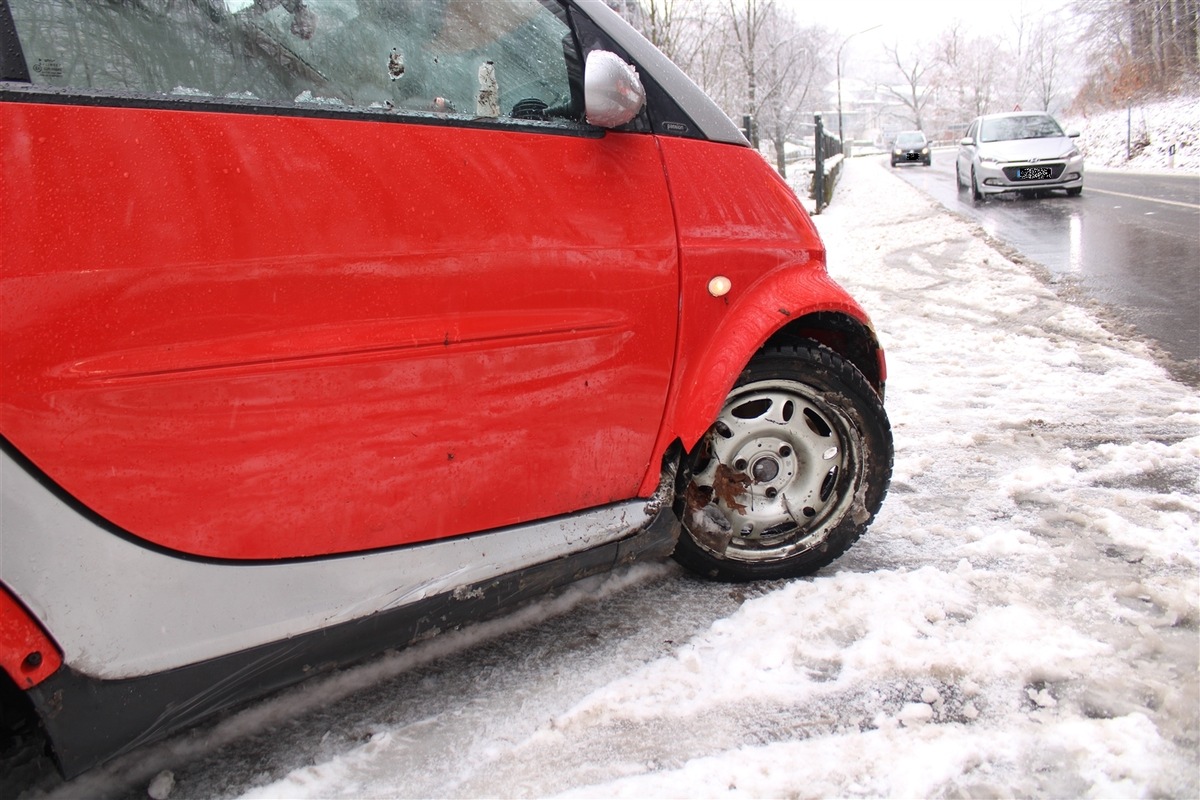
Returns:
point(800, 305)
point(803, 424)
point(843, 334)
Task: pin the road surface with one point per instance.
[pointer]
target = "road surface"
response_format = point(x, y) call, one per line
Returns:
point(1131, 242)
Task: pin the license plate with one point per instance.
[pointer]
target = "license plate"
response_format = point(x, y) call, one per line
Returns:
point(1033, 173)
point(912, 156)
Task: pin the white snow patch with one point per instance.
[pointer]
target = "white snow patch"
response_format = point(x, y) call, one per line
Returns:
point(1141, 136)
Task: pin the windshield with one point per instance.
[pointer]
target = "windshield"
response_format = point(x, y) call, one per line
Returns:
point(1038, 126)
point(910, 140)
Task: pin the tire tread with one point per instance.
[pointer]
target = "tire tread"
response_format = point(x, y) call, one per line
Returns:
point(815, 358)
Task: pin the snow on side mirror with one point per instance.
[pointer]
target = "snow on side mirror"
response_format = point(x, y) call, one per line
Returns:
point(612, 91)
point(966, 141)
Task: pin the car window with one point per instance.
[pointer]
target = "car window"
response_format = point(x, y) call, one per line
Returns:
point(910, 139)
point(500, 59)
point(1006, 128)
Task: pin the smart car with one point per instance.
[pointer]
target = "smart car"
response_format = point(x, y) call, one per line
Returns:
point(329, 325)
point(911, 147)
point(1018, 152)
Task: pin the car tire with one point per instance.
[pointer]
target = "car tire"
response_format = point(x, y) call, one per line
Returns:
point(791, 473)
point(958, 181)
point(893, 163)
point(976, 195)
point(929, 161)
point(1075, 191)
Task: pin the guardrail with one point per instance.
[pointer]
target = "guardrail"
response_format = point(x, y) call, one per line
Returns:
point(829, 158)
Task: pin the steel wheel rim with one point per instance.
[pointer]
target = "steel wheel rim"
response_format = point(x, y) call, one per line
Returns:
point(794, 458)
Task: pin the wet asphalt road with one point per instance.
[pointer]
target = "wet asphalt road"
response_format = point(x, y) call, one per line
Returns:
point(1130, 242)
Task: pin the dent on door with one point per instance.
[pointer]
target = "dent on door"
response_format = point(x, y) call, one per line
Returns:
point(253, 337)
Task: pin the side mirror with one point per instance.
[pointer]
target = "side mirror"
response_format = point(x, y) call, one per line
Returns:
point(1072, 134)
point(966, 141)
point(612, 91)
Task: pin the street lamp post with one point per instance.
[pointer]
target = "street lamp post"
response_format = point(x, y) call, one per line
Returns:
point(841, 135)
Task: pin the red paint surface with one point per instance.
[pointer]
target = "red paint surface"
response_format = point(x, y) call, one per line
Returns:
point(26, 652)
point(247, 336)
point(736, 217)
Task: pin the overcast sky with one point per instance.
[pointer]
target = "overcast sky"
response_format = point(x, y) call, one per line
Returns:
point(916, 19)
point(911, 22)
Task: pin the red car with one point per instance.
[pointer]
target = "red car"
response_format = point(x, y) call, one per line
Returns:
point(328, 325)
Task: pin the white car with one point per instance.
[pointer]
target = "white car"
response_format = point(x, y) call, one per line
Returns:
point(1018, 152)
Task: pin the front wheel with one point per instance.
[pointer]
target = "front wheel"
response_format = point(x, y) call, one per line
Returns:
point(1075, 191)
point(976, 195)
point(791, 473)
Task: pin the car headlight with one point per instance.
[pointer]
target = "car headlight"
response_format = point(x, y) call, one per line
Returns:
point(924, 151)
point(988, 160)
point(897, 152)
point(1074, 153)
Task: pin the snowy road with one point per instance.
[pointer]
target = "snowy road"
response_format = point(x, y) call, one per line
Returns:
point(1021, 620)
point(1131, 242)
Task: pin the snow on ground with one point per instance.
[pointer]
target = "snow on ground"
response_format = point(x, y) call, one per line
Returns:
point(1021, 620)
point(1145, 131)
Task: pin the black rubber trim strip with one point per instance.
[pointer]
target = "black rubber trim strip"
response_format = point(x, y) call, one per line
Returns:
point(12, 58)
point(16, 93)
point(90, 721)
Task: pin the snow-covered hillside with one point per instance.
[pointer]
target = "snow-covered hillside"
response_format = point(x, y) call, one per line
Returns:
point(1145, 131)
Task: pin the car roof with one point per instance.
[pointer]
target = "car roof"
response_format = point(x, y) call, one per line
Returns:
point(1008, 114)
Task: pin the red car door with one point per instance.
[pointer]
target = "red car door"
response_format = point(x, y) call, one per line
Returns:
point(259, 331)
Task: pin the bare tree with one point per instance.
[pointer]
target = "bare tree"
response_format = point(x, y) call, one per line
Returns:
point(693, 34)
point(1016, 87)
point(916, 92)
point(749, 21)
point(1139, 47)
point(794, 64)
point(965, 72)
point(657, 20)
point(1046, 57)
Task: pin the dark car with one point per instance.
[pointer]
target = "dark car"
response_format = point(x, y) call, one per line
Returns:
point(911, 147)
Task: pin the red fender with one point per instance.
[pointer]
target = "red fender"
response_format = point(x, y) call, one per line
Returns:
point(27, 654)
point(705, 377)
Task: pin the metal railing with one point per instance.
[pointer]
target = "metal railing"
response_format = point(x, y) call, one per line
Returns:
point(828, 154)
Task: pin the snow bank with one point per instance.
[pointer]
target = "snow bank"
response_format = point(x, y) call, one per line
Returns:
point(1146, 132)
